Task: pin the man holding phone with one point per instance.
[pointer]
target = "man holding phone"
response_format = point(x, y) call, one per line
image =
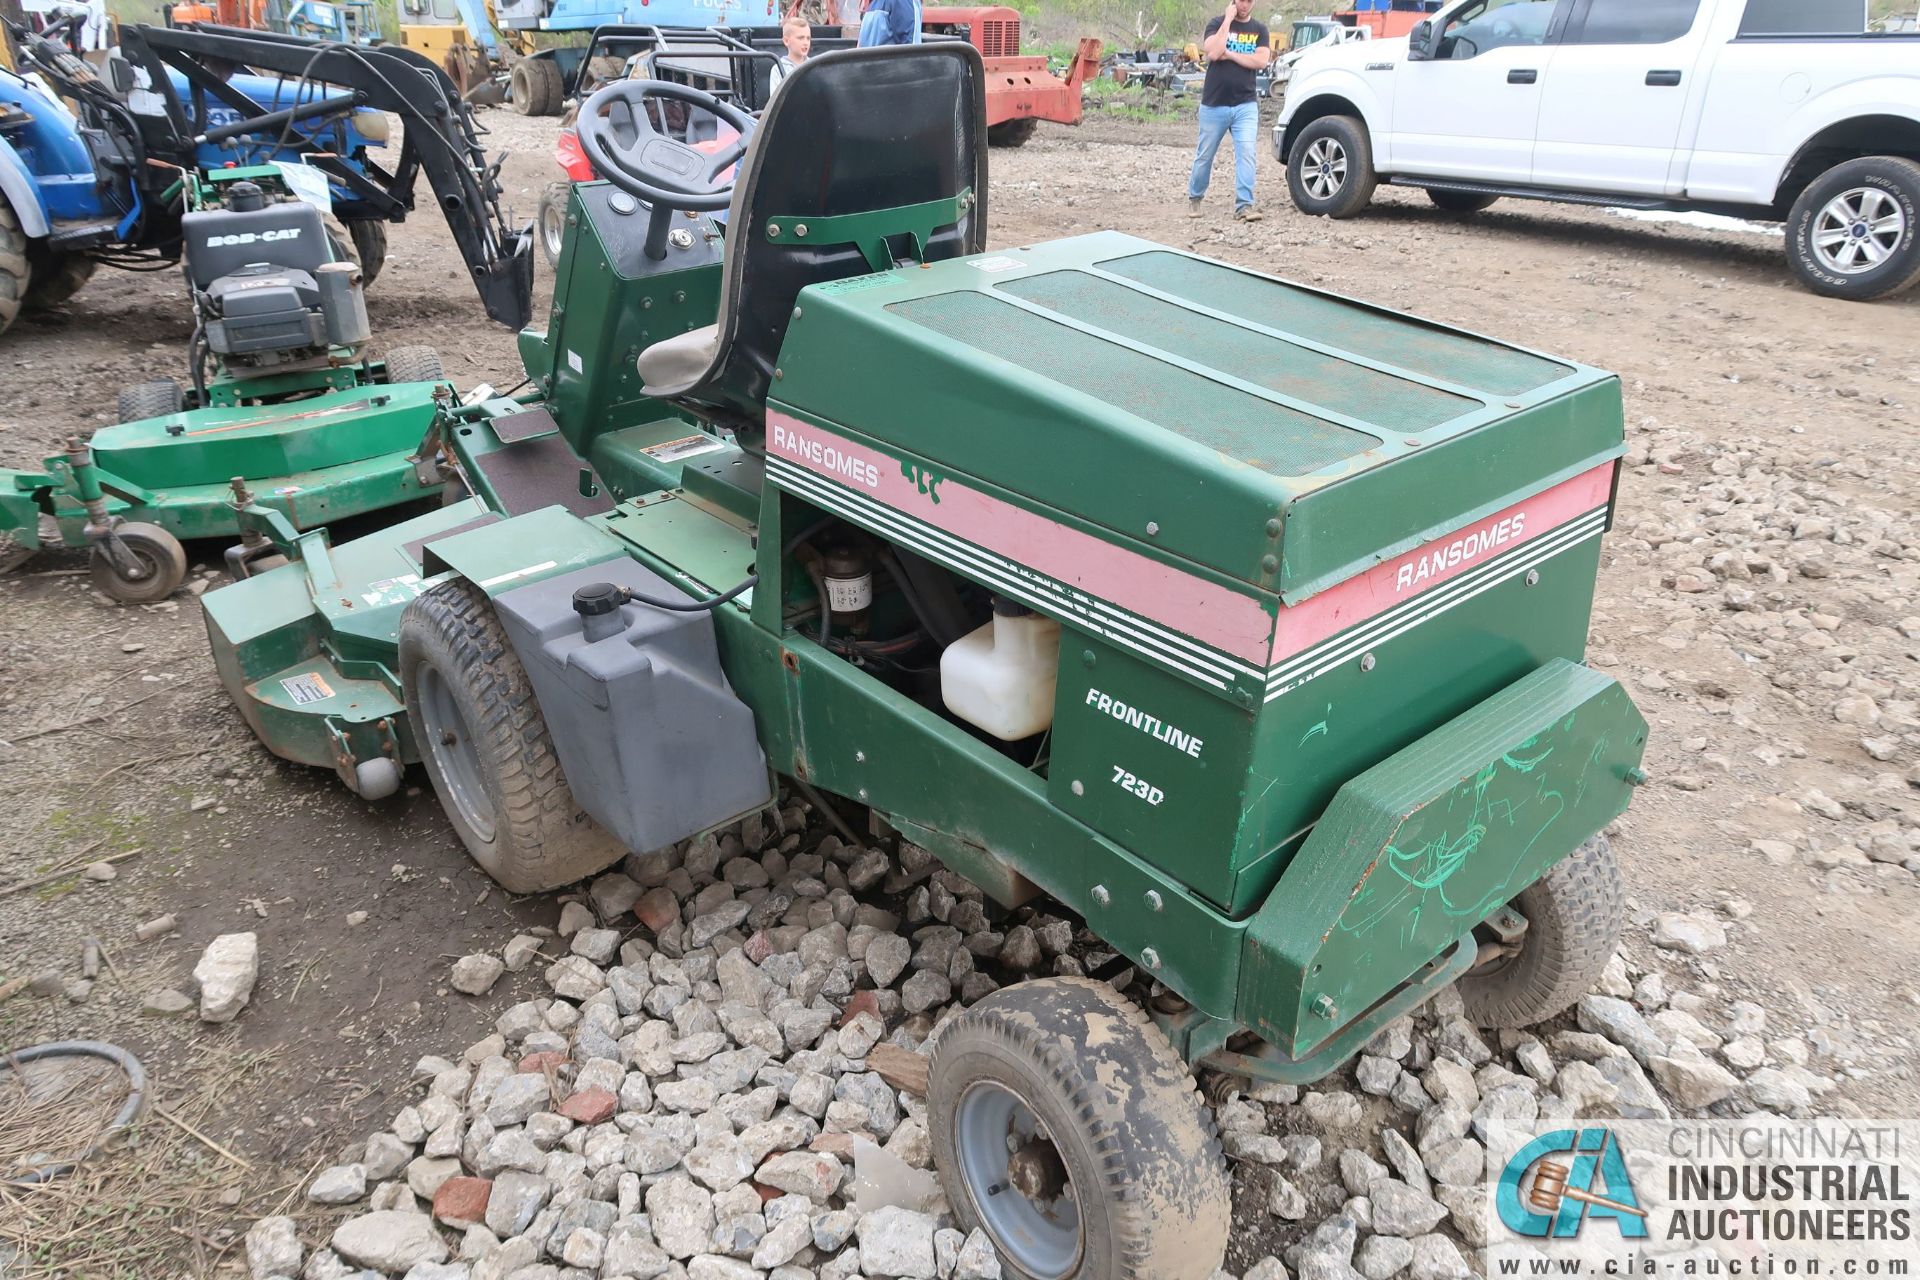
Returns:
point(1237, 51)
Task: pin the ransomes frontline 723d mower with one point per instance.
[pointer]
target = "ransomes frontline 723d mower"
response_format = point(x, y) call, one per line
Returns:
point(1244, 620)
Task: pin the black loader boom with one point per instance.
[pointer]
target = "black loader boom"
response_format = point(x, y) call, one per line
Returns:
point(440, 137)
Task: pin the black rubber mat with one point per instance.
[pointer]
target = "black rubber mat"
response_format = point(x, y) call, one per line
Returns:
point(539, 473)
point(412, 550)
point(525, 425)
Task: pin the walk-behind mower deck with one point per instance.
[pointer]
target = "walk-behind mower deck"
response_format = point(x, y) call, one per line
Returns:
point(1244, 620)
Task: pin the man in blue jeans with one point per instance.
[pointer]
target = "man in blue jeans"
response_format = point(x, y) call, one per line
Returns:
point(1237, 50)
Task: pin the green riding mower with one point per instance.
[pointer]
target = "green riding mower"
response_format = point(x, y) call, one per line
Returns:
point(280, 399)
point(1244, 620)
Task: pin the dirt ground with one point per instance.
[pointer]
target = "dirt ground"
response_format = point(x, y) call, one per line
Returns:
point(1758, 598)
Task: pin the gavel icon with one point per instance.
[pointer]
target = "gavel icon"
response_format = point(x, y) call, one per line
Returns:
point(1550, 1188)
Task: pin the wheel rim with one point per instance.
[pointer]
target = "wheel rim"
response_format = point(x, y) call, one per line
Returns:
point(450, 748)
point(149, 564)
point(1323, 169)
point(1018, 1182)
point(553, 229)
point(1858, 230)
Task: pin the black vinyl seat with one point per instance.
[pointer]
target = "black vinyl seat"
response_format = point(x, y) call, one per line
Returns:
point(860, 131)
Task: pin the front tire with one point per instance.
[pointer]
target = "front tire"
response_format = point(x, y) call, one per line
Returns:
point(1574, 915)
point(1330, 170)
point(551, 219)
point(1855, 231)
point(162, 559)
point(486, 746)
point(362, 242)
point(57, 277)
point(1067, 1128)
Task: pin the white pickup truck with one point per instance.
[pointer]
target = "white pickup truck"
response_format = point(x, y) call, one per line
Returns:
point(1772, 109)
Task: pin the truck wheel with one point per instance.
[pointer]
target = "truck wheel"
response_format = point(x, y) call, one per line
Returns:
point(1855, 231)
point(1460, 201)
point(1067, 1128)
point(1330, 170)
point(414, 364)
point(487, 748)
point(16, 273)
point(1012, 133)
point(362, 242)
point(1574, 914)
point(163, 565)
point(57, 277)
point(153, 399)
point(552, 219)
point(538, 88)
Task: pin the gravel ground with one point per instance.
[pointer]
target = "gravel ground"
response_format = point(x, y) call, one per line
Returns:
point(1757, 596)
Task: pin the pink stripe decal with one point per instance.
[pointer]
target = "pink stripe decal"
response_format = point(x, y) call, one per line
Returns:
point(1418, 571)
point(1189, 605)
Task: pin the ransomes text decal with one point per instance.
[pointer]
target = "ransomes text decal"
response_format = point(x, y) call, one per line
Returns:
point(823, 456)
point(1153, 726)
point(1460, 551)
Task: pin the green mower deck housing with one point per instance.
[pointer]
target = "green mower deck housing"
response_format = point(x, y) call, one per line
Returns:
point(1323, 574)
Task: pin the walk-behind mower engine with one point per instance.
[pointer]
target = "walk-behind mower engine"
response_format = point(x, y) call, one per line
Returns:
point(266, 288)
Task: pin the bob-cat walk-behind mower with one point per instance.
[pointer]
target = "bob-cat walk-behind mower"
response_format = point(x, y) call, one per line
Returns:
point(1244, 620)
point(283, 406)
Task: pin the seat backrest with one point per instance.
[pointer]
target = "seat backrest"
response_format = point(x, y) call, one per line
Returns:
point(896, 132)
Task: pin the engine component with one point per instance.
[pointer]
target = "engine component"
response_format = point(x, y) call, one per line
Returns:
point(1001, 677)
point(344, 303)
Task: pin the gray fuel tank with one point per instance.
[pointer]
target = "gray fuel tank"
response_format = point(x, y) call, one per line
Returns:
point(653, 741)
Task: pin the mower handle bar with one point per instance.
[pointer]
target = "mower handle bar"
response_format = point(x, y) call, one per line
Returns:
point(338, 104)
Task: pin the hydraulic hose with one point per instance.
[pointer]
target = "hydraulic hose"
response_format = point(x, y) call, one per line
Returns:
point(129, 1111)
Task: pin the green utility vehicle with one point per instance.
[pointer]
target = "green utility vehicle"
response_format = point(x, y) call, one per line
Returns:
point(281, 396)
point(1244, 620)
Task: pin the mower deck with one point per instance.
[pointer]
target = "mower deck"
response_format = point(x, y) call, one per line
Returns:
point(341, 453)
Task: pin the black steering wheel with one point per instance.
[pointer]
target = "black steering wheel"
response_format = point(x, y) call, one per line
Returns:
point(625, 147)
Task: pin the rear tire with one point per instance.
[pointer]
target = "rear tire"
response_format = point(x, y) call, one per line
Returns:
point(153, 399)
point(158, 551)
point(1854, 233)
point(57, 277)
point(16, 273)
point(1460, 201)
point(1118, 1172)
point(538, 88)
point(414, 364)
point(551, 219)
point(1012, 133)
point(1574, 915)
point(1330, 170)
point(487, 748)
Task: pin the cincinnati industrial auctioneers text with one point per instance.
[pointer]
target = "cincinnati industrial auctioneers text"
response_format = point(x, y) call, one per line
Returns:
point(1763, 1196)
point(1788, 1179)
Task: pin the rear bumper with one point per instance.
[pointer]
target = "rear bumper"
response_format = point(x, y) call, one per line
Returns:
point(1023, 88)
point(1415, 852)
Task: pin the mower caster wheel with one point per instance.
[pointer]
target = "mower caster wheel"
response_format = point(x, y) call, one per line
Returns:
point(1066, 1127)
point(414, 364)
point(154, 399)
point(487, 748)
point(162, 560)
point(1574, 915)
point(375, 779)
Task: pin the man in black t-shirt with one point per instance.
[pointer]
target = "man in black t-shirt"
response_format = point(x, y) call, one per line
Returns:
point(1236, 49)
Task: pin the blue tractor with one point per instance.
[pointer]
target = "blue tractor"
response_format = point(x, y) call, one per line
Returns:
point(105, 181)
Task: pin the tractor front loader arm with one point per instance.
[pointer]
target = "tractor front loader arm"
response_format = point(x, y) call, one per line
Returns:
point(442, 139)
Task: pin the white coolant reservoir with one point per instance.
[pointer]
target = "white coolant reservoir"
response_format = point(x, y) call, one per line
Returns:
point(1001, 677)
